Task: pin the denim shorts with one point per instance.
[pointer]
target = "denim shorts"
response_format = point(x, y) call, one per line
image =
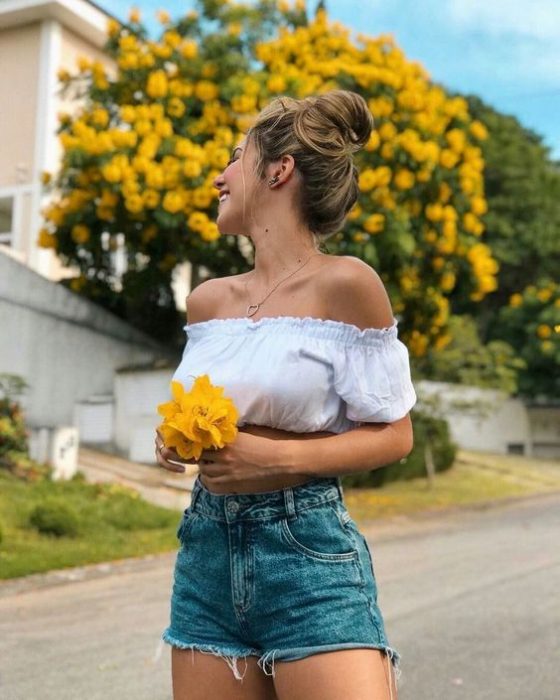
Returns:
point(279, 575)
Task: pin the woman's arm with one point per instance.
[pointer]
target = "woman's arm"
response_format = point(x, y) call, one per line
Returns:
point(364, 448)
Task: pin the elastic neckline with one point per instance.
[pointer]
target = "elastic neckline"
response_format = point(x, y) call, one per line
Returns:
point(316, 327)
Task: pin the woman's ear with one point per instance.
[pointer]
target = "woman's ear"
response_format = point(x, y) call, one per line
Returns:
point(280, 172)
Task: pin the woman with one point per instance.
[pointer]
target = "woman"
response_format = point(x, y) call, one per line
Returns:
point(272, 570)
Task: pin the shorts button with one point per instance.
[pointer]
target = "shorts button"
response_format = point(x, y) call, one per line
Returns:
point(233, 506)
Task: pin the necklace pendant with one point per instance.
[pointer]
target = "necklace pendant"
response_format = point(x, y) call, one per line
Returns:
point(252, 309)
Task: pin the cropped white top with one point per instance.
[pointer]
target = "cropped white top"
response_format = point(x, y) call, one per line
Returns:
point(302, 374)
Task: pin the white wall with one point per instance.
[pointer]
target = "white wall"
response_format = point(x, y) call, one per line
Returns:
point(489, 420)
point(64, 346)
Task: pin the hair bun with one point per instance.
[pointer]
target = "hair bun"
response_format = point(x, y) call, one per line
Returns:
point(336, 123)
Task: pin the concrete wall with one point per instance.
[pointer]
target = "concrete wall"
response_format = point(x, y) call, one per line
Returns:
point(137, 395)
point(489, 420)
point(64, 346)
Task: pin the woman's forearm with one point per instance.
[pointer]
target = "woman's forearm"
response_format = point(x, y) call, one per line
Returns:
point(364, 448)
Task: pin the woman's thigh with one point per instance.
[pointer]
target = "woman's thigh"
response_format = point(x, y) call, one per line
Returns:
point(352, 674)
point(199, 676)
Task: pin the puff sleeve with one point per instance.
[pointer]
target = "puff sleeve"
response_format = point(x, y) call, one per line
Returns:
point(372, 375)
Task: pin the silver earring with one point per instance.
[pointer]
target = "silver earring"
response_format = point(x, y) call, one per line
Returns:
point(273, 180)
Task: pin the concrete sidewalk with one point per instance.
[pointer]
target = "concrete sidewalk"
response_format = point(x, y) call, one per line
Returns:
point(155, 484)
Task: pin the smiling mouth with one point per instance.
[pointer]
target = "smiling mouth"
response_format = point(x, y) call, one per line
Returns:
point(223, 197)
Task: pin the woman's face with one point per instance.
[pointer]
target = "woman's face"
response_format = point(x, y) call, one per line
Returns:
point(236, 185)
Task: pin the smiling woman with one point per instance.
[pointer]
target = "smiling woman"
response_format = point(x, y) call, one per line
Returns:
point(322, 385)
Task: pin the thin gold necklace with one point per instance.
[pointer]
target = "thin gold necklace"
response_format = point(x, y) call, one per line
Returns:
point(253, 308)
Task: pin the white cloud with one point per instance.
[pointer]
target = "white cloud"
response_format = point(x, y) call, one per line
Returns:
point(539, 19)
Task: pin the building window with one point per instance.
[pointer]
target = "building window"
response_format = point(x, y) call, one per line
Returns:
point(515, 448)
point(6, 220)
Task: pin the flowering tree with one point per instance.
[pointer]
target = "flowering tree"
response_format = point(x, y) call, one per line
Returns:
point(531, 324)
point(140, 158)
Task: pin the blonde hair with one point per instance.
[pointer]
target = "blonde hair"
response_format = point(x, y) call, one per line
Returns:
point(321, 133)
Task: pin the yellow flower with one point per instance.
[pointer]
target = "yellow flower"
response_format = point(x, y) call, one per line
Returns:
point(80, 233)
point(150, 198)
point(374, 141)
point(404, 179)
point(515, 300)
point(46, 239)
point(374, 223)
point(134, 203)
point(478, 130)
point(205, 90)
point(479, 206)
point(199, 419)
point(175, 107)
point(448, 158)
point(544, 331)
point(173, 202)
point(189, 49)
point(100, 117)
point(134, 15)
point(276, 83)
point(113, 27)
point(163, 17)
point(192, 168)
point(197, 221)
point(157, 84)
point(544, 295)
point(210, 231)
point(367, 180)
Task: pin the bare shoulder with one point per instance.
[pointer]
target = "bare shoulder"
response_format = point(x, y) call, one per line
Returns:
point(356, 294)
point(202, 301)
point(206, 300)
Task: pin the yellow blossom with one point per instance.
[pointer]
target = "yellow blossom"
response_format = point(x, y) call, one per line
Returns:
point(80, 233)
point(46, 239)
point(515, 300)
point(199, 419)
point(188, 49)
point(544, 331)
point(374, 223)
point(156, 86)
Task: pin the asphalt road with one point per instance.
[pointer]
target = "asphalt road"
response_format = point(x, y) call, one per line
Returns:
point(471, 600)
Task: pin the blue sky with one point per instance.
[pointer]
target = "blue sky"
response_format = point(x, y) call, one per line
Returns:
point(505, 51)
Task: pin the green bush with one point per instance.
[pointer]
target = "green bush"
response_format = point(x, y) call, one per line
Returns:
point(14, 450)
point(1, 533)
point(55, 518)
point(414, 465)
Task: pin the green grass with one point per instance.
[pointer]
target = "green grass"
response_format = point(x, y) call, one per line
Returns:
point(114, 523)
point(475, 478)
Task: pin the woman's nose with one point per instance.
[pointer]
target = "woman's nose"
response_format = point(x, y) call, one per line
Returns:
point(219, 180)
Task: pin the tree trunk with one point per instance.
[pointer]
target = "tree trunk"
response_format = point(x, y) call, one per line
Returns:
point(430, 466)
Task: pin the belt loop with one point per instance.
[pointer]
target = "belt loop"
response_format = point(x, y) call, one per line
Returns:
point(289, 503)
point(195, 492)
point(339, 487)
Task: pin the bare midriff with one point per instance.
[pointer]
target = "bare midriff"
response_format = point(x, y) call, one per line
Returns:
point(274, 482)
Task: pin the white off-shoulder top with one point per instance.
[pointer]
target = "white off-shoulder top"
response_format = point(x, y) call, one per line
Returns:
point(302, 374)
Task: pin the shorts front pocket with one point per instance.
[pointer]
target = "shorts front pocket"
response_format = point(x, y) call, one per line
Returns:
point(185, 525)
point(319, 533)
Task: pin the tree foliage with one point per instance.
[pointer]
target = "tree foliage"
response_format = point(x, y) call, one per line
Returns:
point(140, 158)
point(522, 186)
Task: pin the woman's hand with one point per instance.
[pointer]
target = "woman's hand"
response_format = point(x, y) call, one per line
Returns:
point(247, 457)
point(168, 458)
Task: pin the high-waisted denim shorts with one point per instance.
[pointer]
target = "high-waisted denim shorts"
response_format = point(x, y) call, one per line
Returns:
point(279, 575)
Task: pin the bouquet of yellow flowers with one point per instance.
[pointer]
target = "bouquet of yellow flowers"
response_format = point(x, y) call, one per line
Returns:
point(199, 419)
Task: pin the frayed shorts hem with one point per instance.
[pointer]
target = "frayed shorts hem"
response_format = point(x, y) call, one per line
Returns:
point(266, 661)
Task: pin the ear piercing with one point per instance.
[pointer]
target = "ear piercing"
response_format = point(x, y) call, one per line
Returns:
point(273, 180)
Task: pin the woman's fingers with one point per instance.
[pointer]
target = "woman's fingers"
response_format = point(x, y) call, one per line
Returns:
point(164, 457)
